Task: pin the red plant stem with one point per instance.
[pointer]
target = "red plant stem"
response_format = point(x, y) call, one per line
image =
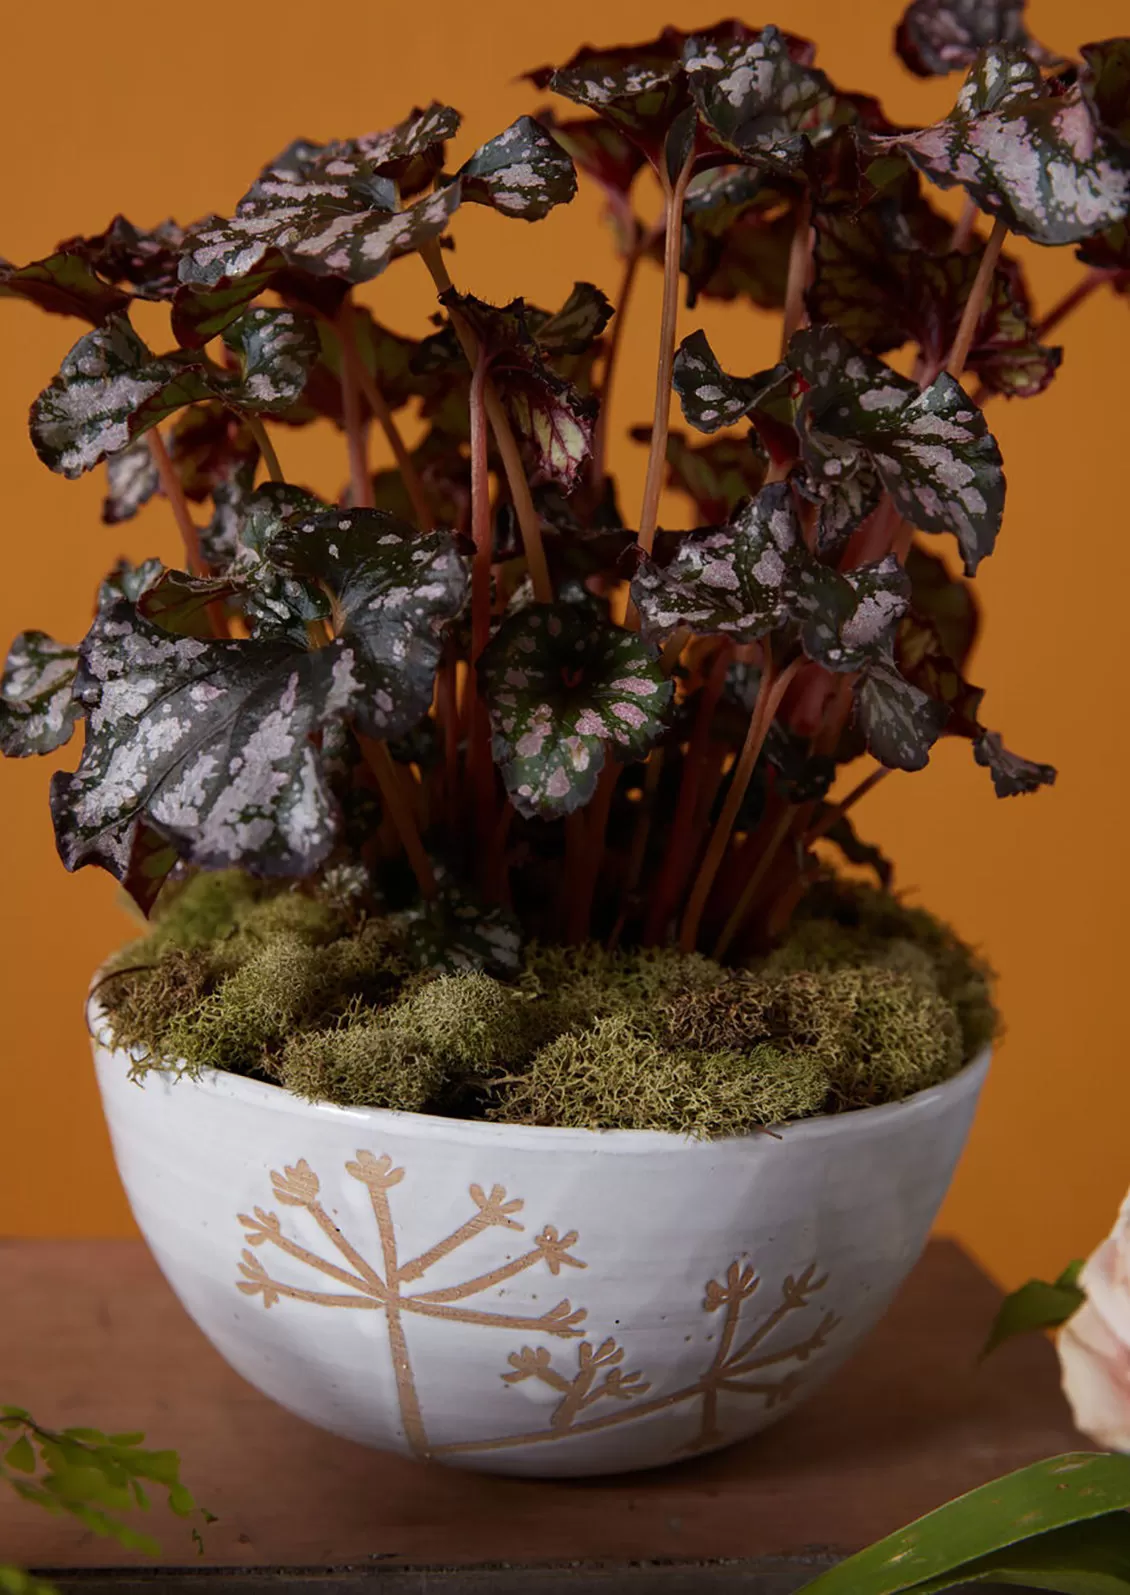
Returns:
point(800, 261)
point(360, 482)
point(173, 490)
point(1071, 301)
point(529, 521)
point(975, 304)
point(674, 196)
point(582, 890)
point(266, 447)
point(447, 709)
point(409, 475)
point(749, 891)
point(482, 770)
point(770, 692)
point(399, 812)
point(615, 342)
point(679, 854)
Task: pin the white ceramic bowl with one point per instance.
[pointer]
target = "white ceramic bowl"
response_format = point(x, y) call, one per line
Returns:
point(522, 1300)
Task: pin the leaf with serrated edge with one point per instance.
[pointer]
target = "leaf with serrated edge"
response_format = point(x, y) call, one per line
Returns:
point(710, 398)
point(37, 708)
point(524, 172)
point(1026, 152)
point(931, 448)
point(563, 687)
point(1012, 775)
point(899, 722)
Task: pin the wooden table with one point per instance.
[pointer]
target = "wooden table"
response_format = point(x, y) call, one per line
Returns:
point(90, 1334)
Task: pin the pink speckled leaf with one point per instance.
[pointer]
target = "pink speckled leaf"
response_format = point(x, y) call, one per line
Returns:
point(1044, 156)
point(37, 708)
point(524, 172)
point(563, 688)
point(710, 397)
point(1011, 774)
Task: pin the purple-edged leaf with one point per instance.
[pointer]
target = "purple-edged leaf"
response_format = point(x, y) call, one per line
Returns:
point(562, 687)
point(736, 239)
point(881, 294)
point(394, 592)
point(457, 934)
point(209, 744)
point(63, 284)
point(524, 172)
point(710, 398)
point(131, 481)
point(939, 36)
point(715, 476)
point(740, 580)
point(37, 708)
point(1027, 151)
point(932, 449)
point(144, 258)
point(757, 99)
point(110, 388)
point(277, 349)
point(899, 722)
point(849, 618)
point(1011, 774)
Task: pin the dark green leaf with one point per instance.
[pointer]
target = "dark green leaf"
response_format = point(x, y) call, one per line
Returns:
point(411, 153)
point(1011, 774)
point(736, 239)
point(935, 1552)
point(638, 88)
point(939, 36)
point(524, 172)
point(561, 687)
point(64, 285)
point(131, 481)
point(757, 99)
point(710, 398)
point(599, 149)
point(1036, 1306)
point(37, 710)
point(394, 590)
point(575, 327)
point(1025, 150)
point(1091, 1558)
point(1104, 81)
point(21, 1456)
point(931, 448)
point(277, 349)
point(456, 934)
point(900, 723)
point(849, 618)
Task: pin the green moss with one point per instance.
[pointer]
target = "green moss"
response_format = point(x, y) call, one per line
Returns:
point(622, 1073)
point(363, 1062)
point(866, 1001)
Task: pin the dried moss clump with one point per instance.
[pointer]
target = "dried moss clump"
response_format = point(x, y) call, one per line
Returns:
point(865, 1002)
point(622, 1073)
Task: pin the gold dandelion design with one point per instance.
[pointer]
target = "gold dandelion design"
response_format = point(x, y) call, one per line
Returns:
point(598, 1392)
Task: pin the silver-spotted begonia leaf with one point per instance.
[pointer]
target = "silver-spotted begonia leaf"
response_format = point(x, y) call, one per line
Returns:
point(145, 259)
point(1012, 775)
point(1032, 153)
point(850, 617)
point(740, 580)
point(453, 932)
point(37, 708)
point(712, 399)
point(411, 153)
point(600, 150)
point(524, 172)
point(562, 687)
point(899, 721)
point(931, 448)
point(111, 388)
point(939, 36)
point(128, 581)
point(393, 592)
point(131, 481)
point(756, 99)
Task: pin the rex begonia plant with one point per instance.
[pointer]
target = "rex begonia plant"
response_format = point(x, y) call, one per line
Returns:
point(478, 687)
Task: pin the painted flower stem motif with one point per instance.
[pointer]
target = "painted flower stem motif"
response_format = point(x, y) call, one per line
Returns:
point(599, 1377)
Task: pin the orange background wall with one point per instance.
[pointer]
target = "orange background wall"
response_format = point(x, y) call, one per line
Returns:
point(172, 111)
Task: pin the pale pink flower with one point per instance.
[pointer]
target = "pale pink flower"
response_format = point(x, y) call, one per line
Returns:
point(1094, 1344)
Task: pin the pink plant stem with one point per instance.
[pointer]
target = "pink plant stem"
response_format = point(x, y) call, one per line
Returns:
point(975, 304)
